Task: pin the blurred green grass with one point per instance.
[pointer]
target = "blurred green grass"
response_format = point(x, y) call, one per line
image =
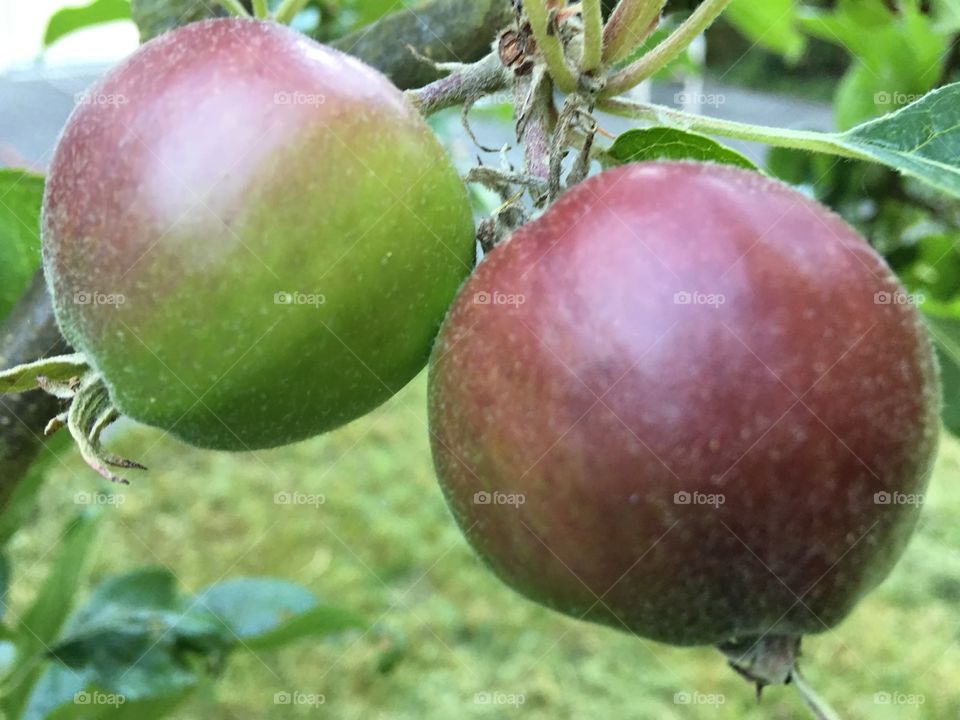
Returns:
point(383, 543)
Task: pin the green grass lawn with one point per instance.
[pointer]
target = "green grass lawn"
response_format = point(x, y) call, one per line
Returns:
point(384, 544)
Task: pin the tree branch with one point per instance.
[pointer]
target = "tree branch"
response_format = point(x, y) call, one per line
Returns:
point(442, 30)
point(465, 84)
point(30, 333)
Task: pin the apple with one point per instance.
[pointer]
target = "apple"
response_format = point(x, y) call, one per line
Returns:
point(251, 237)
point(687, 402)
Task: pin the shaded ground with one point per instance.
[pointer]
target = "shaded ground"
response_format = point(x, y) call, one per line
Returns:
point(383, 543)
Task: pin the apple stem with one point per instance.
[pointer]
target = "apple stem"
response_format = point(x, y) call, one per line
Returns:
point(543, 16)
point(818, 706)
point(667, 51)
point(592, 36)
point(630, 24)
point(772, 660)
point(90, 412)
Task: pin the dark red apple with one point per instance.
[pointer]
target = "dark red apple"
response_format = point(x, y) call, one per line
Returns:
point(687, 402)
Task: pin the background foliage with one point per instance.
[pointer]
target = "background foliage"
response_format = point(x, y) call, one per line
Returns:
point(147, 592)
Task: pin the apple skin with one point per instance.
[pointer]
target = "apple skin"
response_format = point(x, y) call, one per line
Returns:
point(569, 372)
point(221, 169)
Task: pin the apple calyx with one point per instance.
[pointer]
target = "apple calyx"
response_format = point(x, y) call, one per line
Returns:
point(772, 660)
point(89, 410)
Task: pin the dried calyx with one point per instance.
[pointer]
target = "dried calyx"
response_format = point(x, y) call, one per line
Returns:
point(89, 410)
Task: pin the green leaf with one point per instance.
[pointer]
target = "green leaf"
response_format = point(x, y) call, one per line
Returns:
point(140, 662)
point(4, 583)
point(56, 687)
point(321, 620)
point(898, 55)
point(945, 330)
point(922, 140)
point(66, 694)
point(130, 651)
point(8, 650)
point(130, 639)
point(947, 15)
point(42, 621)
point(140, 604)
point(21, 503)
point(770, 24)
point(82, 707)
point(21, 196)
point(663, 143)
point(857, 100)
point(263, 612)
point(71, 19)
point(141, 590)
point(59, 369)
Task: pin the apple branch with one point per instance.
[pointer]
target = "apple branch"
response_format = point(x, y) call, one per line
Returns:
point(536, 118)
point(29, 333)
point(442, 30)
point(463, 86)
point(630, 24)
point(667, 51)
